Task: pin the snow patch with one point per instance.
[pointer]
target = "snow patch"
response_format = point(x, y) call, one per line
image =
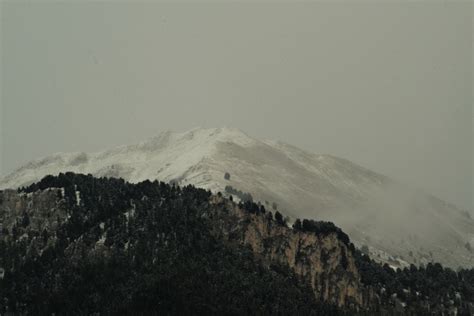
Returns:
point(102, 239)
point(78, 198)
point(129, 213)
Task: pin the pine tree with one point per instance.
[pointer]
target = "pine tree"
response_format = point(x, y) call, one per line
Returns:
point(297, 225)
point(279, 218)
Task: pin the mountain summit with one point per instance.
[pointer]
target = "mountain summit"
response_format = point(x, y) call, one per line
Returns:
point(396, 224)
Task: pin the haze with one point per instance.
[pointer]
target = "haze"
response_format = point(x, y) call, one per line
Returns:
point(387, 85)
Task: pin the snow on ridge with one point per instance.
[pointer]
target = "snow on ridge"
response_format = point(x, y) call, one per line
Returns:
point(193, 155)
point(173, 151)
point(173, 155)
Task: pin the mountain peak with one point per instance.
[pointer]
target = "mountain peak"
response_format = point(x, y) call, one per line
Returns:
point(219, 133)
point(207, 136)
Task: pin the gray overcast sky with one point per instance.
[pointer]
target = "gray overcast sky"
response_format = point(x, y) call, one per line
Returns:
point(387, 85)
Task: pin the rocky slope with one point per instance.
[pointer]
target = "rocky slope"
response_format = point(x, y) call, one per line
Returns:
point(324, 260)
point(399, 225)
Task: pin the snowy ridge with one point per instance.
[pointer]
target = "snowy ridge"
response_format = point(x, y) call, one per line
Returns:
point(398, 224)
point(164, 157)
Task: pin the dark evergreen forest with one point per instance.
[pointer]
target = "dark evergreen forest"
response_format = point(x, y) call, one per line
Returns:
point(164, 260)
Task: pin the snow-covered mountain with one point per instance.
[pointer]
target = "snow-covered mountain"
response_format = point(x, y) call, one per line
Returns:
point(399, 225)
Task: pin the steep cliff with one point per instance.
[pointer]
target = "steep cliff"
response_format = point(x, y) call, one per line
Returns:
point(325, 261)
point(43, 209)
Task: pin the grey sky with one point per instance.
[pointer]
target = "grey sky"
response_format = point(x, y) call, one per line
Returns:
point(388, 86)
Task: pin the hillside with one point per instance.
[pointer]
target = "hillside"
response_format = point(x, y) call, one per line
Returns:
point(80, 245)
point(400, 225)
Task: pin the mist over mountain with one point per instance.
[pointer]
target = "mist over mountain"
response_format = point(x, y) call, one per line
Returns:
point(332, 172)
point(396, 224)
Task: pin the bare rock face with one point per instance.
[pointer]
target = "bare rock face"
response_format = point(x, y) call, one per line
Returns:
point(35, 211)
point(324, 261)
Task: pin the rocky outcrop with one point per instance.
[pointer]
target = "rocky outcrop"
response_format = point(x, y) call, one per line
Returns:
point(324, 261)
point(43, 209)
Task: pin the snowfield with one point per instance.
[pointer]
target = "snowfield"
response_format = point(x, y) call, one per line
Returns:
point(398, 223)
